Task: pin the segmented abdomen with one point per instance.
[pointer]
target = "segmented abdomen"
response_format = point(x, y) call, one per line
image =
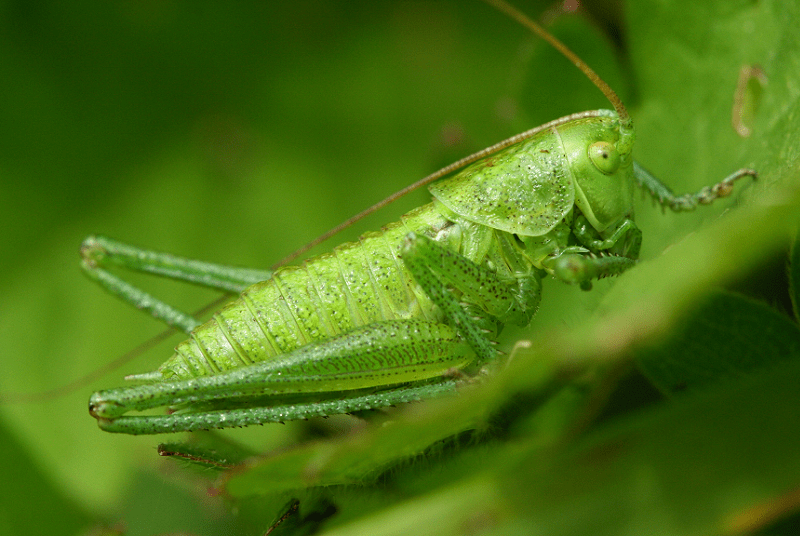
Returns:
point(356, 284)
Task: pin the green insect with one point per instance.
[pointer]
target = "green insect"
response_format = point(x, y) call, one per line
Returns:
point(405, 313)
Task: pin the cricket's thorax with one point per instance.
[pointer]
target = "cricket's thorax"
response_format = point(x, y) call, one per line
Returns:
point(529, 188)
point(356, 284)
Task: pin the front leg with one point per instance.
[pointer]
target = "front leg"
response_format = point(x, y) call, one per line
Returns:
point(582, 269)
point(615, 254)
point(687, 202)
point(625, 239)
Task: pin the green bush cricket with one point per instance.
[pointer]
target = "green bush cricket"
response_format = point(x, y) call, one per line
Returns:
point(405, 313)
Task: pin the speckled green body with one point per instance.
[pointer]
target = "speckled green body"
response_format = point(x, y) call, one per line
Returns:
point(404, 306)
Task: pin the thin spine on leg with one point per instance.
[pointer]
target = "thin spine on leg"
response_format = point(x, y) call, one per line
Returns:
point(687, 202)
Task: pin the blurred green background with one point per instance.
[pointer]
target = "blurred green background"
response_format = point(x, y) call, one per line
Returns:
point(235, 133)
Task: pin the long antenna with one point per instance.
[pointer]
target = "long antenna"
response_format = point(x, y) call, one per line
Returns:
point(514, 13)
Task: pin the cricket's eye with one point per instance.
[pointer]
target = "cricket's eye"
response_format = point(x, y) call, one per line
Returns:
point(604, 156)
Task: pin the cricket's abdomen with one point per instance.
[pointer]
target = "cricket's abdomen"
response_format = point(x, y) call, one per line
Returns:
point(358, 283)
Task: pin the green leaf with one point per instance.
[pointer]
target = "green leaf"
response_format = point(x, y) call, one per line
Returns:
point(794, 276)
point(717, 462)
point(726, 336)
point(28, 491)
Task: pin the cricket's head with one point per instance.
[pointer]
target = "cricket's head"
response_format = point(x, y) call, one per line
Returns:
point(599, 155)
